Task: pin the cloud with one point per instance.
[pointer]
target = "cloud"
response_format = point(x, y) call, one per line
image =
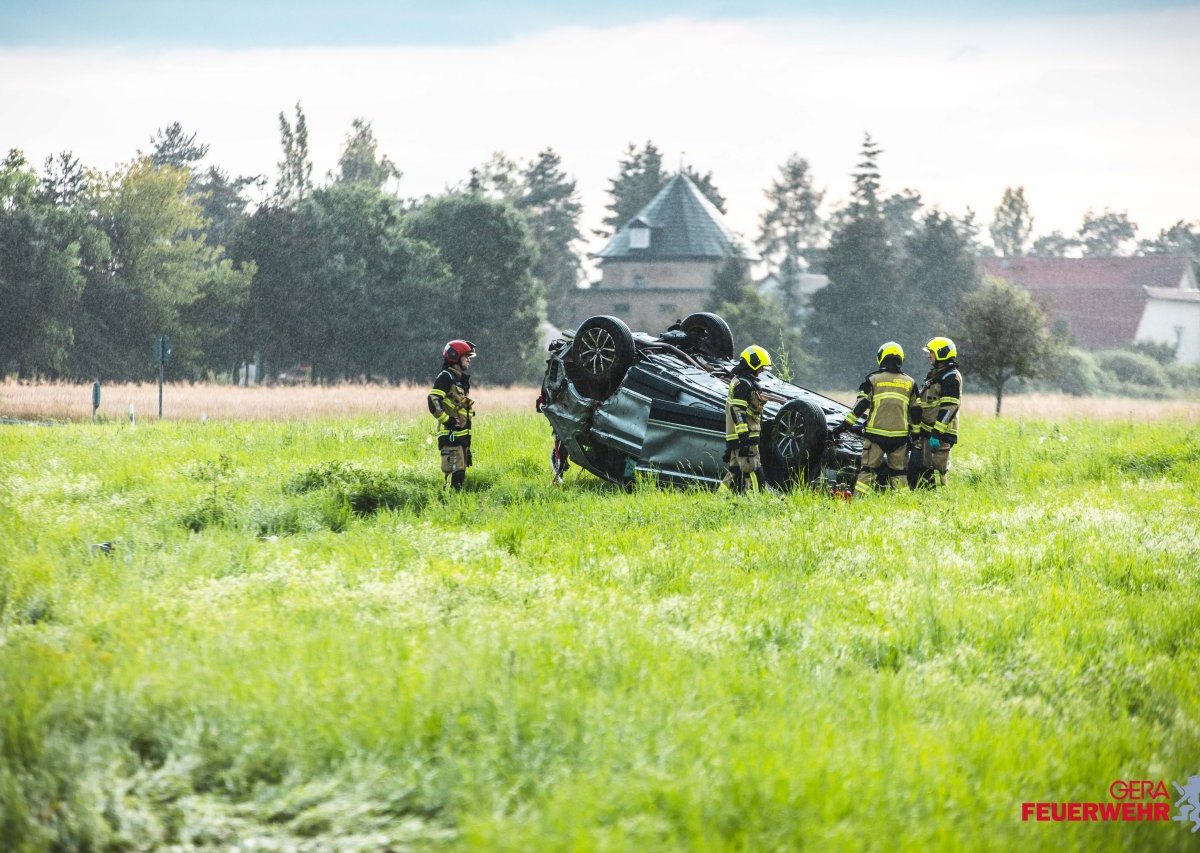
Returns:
point(1083, 112)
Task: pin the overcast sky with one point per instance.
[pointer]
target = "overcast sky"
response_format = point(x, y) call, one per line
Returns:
point(1086, 105)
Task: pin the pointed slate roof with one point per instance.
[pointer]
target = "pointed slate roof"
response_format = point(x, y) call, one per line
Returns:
point(684, 225)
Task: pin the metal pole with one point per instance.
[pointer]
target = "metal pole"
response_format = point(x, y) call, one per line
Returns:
point(160, 382)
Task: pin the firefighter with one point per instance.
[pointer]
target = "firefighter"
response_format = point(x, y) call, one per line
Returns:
point(743, 421)
point(449, 403)
point(887, 399)
point(940, 394)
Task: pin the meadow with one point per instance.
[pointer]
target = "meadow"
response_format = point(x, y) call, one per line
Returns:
point(285, 635)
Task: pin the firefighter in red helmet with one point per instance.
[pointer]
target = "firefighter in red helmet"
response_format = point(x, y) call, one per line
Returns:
point(450, 404)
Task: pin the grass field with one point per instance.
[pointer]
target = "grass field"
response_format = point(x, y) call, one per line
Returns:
point(298, 641)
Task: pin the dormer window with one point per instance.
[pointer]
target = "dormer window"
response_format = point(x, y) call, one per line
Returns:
point(639, 236)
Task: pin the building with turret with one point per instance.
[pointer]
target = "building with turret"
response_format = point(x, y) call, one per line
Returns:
point(659, 267)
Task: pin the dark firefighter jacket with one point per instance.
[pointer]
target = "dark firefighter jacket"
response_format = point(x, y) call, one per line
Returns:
point(940, 395)
point(449, 403)
point(743, 411)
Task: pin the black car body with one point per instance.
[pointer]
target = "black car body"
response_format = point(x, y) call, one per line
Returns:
point(623, 403)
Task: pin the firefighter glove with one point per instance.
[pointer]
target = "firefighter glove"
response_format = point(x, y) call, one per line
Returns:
point(934, 442)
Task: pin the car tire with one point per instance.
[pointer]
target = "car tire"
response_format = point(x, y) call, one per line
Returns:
point(793, 445)
point(601, 352)
point(708, 334)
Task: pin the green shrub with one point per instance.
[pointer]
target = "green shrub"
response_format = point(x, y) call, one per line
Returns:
point(1133, 367)
point(215, 508)
point(1184, 376)
point(366, 490)
point(1160, 351)
point(1078, 374)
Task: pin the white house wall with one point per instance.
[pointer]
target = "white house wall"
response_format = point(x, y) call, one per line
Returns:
point(1168, 321)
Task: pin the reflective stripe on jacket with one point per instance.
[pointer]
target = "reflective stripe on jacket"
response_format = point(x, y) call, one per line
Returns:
point(448, 401)
point(890, 398)
point(743, 409)
point(940, 398)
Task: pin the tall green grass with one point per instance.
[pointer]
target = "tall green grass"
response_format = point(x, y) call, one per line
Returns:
point(297, 639)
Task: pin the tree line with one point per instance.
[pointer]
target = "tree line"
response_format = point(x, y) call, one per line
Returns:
point(348, 277)
point(901, 270)
point(343, 275)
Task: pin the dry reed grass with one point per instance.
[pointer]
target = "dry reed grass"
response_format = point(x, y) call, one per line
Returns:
point(73, 402)
point(65, 401)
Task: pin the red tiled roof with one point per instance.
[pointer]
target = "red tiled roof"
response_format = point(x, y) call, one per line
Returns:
point(1101, 299)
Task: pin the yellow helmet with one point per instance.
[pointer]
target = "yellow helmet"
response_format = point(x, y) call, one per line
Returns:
point(942, 348)
point(890, 348)
point(756, 358)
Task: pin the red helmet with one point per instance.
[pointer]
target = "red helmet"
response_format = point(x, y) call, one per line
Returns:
point(455, 350)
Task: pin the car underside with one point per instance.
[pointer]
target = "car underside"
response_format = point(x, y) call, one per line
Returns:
point(624, 405)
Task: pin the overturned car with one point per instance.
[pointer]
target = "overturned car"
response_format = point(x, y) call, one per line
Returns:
point(623, 403)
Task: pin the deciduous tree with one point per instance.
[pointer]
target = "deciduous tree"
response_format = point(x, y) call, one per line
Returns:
point(341, 288)
point(161, 270)
point(1182, 238)
point(1106, 234)
point(1053, 245)
point(40, 276)
point(1004, 336)
point(488, 248)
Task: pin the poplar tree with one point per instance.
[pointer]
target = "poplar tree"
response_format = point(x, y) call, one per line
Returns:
point(1011, 224)
point(295, 169)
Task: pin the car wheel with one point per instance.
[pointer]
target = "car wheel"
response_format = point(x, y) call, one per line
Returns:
point(795, 443)
point(708, 334)
point(600, 354)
